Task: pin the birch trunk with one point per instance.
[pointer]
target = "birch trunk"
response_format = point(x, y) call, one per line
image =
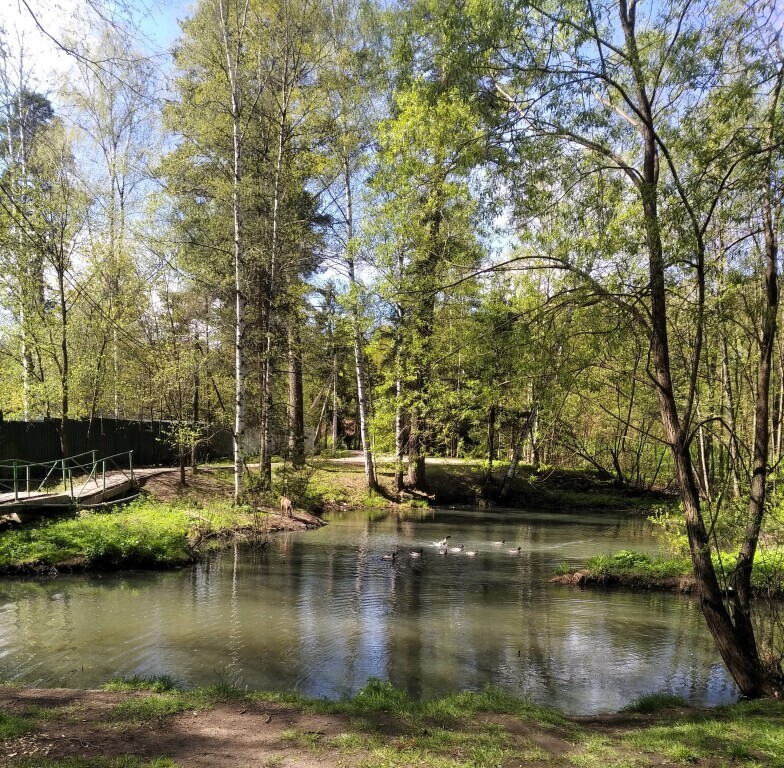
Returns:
point(231, 50)
point(359, 352)
point(265, 449)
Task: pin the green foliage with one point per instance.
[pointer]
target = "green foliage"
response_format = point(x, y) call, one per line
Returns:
point(375, 501)
point(671, 529)
point(656, 702)
point(142, 534)
point(627, 562)
point(381, 696)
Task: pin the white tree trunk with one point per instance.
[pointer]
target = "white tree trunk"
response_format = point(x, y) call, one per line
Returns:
point(359, 352)
point(231, 48)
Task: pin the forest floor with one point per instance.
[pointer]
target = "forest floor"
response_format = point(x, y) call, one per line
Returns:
point(60, 728)
point(340, 483)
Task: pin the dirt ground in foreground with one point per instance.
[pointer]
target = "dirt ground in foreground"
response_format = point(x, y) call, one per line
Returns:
point(234, 734)
point(240, 734)
point(81, 723)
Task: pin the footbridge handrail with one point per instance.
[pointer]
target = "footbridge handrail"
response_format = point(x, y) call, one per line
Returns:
point(21, 472)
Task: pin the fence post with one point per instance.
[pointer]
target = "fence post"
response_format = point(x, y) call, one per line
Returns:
point(27, 479)
point(103, 474)
point(70, 478)
point(130, 463)
point(16, 483)
point(65, 478)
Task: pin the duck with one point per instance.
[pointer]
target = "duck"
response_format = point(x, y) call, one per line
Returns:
point(515, 551)
point(457, 549)
point(442, 543)
point(443, 551)
point(499, 543)
point(415, 553)
point(470, 552)
point(389, 556)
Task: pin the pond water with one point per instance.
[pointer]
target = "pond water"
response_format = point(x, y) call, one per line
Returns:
point(319, 612)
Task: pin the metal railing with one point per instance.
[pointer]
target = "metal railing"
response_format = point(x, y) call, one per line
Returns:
point(24, 474)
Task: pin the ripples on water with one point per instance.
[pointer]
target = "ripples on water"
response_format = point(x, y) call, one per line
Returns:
point(320, 612)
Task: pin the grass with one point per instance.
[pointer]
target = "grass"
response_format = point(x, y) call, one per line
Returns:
point(628, 562)
point(154, 683)
point(748, 734)
point(123, 761)
point(153, 707)
point(143, 534)
point(656, 702)
point(384, 726)
point(13, 726)
point(335, 484)
point(638, 570)
point(140, 534)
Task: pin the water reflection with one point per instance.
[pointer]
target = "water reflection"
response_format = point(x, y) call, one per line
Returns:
point(320, 612)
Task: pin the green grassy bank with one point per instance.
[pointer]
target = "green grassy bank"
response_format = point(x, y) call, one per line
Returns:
point(380, 726)
point(636, 570)
point(143, 534)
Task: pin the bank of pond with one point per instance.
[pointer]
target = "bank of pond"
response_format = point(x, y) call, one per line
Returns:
point(142, 534)
point(150, 723)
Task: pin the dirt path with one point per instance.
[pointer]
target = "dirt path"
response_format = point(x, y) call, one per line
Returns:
point(136, 728)
point(89, 724)
point(97, 725)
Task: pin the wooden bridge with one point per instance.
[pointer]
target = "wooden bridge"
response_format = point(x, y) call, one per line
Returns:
point(75, 482)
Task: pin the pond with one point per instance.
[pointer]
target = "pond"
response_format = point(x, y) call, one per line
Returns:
point(320, 612)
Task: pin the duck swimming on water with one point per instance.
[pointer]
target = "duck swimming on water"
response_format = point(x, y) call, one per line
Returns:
point(442, 543)
point(457, 549)
point(389, 556)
